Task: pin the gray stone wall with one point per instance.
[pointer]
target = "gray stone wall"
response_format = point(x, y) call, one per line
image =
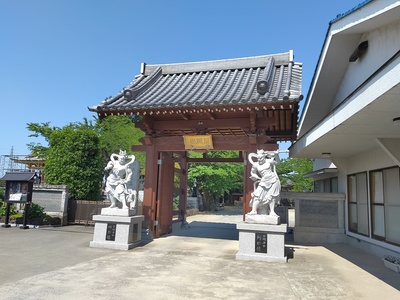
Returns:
point(319, 217)
point(54, 200)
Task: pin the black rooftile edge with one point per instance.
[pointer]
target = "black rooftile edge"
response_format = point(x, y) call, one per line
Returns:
point(224, 64)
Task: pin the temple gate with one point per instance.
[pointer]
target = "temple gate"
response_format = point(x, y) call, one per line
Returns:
point(240, 104)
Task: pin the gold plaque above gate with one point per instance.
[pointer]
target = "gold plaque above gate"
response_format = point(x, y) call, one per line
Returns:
point(198, 142)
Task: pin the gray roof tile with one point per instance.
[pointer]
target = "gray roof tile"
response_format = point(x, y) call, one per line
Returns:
point(230, 82)
point(18, 176)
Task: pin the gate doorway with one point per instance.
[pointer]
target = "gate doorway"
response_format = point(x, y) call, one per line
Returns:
point(158, 203)
point(172, 188)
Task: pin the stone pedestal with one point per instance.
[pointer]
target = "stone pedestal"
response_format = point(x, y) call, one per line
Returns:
point(117, 229)
point(262, 242)
point(262, 219)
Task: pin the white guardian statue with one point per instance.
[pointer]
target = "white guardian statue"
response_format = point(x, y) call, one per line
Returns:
point(267, 186)
point(119, 175)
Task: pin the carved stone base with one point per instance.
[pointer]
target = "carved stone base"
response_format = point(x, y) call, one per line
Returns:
point(115, 211)
point(262, 219)
point(262, 242)
point(117, 232)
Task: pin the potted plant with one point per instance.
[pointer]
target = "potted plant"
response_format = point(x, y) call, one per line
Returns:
point(391, 262)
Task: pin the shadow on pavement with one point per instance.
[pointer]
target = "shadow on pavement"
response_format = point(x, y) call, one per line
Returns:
point(210, 230)
point(367, 262)
point(223, 229)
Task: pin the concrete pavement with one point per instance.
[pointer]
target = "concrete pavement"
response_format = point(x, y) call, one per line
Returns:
point(191, 263)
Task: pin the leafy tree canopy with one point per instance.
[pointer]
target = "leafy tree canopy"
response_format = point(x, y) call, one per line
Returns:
point(73, 159)
point(119, 133)
point(215, 179)
point(115, 133)
point(77, 153)
point(291, 173)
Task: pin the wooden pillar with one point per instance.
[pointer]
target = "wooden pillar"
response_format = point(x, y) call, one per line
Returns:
point(248, 183)
point(150, 188)
point(165, 194)
point(183, 182)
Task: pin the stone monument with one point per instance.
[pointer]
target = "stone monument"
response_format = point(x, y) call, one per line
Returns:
point(119, 227)
point(262, 236)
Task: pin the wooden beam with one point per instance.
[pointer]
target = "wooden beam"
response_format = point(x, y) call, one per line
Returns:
point(216, 160)
point(146, 125)
point(185, 116)
point(175, 143)
point(206, 123)
point(253, 121)
point(253, 139)
point(212, 116)
point(147, 140)
point(138, 148)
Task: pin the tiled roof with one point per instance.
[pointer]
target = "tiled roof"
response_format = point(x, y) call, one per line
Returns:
point(219, 83)
point(18, 176)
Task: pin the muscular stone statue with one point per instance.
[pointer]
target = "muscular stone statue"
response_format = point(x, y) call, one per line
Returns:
point(267, 187)
point(119, 174)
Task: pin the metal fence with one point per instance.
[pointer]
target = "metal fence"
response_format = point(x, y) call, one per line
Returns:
point(82, 211)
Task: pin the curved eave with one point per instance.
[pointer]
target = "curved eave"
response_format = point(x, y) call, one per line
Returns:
point(278, 105)
point(235, 85)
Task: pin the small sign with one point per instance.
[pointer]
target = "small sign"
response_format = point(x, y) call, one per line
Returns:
point(15, 197)
point(261, 243)
point(198, 142)
point(18, 191)
point(111, 230)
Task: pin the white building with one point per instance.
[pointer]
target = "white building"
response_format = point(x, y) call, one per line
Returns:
point(350, 123)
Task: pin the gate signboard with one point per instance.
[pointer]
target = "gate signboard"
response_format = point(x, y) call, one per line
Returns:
point(199, 142)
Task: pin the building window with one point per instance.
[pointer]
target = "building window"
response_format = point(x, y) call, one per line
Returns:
point(329, 185)
point(334, 185)
point(358, 203)
point(385, 205)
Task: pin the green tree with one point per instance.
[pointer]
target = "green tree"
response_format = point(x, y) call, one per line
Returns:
point(115, 133)
point(291, 173)
point(2, 191)
point(74, 159)
point(215, 179)
point(84, 143)
point(43, 130)
point(119, 133)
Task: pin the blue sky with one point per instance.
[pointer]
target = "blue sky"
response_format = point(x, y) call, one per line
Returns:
point(59, 57)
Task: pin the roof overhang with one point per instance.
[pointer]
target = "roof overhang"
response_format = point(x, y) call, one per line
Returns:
point(343, 36)
point(322, 173)
point(366, 115)
point(19, 176)
point(359, 122)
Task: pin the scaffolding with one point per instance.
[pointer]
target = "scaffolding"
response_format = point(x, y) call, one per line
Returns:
point(8, 163)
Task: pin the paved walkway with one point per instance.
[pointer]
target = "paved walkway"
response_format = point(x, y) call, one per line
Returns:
point(193, 263)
